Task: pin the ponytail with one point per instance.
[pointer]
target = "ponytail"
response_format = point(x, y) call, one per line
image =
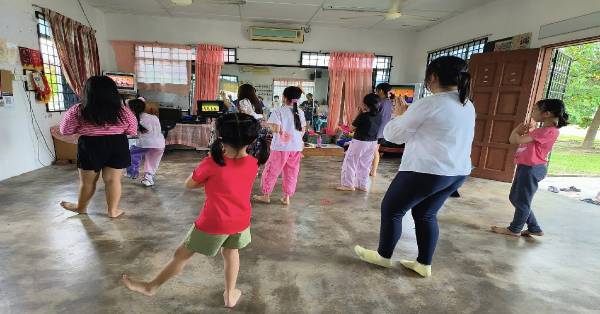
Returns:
point(464, 86)
point(216, 152)
point(297, 122)
point(563, 120)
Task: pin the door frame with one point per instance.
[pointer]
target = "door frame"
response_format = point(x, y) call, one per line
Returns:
point(546, 60)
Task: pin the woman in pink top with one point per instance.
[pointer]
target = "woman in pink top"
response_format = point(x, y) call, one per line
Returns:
point(103, 123)
point(531, 159)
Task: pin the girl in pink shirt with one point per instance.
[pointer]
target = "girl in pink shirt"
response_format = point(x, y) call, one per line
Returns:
point(103, 123)
point(531, 158)
point(223, 225)
point(150, 144)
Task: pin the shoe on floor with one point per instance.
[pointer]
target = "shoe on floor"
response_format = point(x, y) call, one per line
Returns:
point(372, 257)
point(148, 180)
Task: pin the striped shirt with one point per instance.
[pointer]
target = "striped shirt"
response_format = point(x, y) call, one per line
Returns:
point(73, 123)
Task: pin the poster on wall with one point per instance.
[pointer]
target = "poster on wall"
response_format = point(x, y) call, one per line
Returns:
point(521, 41)
point(31, 59)
point(8, 55)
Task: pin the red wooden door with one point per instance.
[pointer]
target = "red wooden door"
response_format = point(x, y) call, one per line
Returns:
point(503, 89)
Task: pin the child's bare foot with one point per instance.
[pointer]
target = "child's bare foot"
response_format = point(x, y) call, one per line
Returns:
point(505, 231)
point(285, 200)
point(363, 189)
point(344, 188)
point(138, 286)
point(72, 207)
point(115, 213)
point(527, 233)
point(231, 299)
point(262, 198)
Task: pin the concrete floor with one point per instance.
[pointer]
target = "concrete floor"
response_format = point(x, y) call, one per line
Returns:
point(301, 258)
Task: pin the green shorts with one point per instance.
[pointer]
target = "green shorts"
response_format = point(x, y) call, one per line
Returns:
point(209, 244)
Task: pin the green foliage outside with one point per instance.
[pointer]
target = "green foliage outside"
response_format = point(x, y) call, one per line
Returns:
point(582, 95)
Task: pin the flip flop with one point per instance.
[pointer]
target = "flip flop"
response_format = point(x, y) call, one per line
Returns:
point(553, 189)
point(257, 198)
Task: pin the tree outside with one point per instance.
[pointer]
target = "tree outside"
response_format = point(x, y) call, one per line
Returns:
point(582, 95)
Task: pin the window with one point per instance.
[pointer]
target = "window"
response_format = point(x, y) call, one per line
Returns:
point(382, 67)
point(280, 84)
point(63, 96)
point(164, 65)
point(463, 50)
point(229, 55)
point(314, 59)
point(229, 78)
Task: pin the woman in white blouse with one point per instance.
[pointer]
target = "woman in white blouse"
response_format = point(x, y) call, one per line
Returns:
point(248, 102)
point(438, 133)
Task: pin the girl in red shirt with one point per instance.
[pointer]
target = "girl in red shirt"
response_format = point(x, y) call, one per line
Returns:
point(531, 158)
point(227, 176)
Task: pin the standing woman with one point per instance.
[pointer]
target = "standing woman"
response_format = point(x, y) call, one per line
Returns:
point(248, 102)
point(438, 132)
point(103, 123)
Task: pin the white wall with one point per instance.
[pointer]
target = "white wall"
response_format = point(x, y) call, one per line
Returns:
point(233, 34)
point(501, 18)
point(19, 146)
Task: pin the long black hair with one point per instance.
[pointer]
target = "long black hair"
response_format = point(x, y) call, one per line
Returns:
point(101, 103)
point(237, 130)
point(293, 94)
point(247, 91)
point(372, 102)
point(451, 71)
point(557, 108)
point(138, 106)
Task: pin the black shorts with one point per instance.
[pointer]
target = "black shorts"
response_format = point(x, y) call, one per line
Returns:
point(97, 152)
point(380, 141)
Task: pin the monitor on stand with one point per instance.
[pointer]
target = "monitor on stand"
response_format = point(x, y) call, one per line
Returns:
point(210, 109)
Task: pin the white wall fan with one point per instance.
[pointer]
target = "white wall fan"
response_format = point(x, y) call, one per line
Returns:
point(394, 12)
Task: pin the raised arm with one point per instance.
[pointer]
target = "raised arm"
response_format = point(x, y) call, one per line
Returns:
point(70, 121)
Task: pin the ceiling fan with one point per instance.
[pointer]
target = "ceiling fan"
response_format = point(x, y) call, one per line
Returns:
point(392, 13)
point(189, 2)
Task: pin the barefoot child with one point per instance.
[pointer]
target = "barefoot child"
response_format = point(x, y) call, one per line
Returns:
point(288, 125)
point(227, 176)
point(150, 143)
point(103, 149)
point(531, 159)
point(360, 154)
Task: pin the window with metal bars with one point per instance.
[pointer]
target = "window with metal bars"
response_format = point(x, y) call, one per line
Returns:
point(230, 55)
point(382, 65)
point(63, 96)
point(463, 50)
point(556, 83)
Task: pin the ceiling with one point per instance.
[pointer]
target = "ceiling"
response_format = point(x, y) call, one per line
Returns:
point(300, 12)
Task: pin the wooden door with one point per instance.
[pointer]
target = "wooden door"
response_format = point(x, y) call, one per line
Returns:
point(503, 90)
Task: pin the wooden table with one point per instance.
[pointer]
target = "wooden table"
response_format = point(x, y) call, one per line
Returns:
point(327, 150)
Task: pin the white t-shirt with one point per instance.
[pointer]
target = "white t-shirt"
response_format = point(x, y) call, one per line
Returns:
point(247, 108)
point(288, 139)
point(438, 131)
point(153, 138)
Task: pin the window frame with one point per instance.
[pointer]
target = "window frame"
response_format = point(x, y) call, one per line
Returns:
point(385, 70)
point(469, 50)
point(65, 92)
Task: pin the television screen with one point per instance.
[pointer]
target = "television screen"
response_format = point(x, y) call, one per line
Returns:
point(406, 91)
point(210, 107)
point(124, 81)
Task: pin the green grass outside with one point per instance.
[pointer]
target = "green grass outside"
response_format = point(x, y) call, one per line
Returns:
point(568, 158)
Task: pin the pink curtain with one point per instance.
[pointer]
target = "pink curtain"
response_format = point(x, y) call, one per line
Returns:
point(77, 49)
point(209, 60)
point(350, 79)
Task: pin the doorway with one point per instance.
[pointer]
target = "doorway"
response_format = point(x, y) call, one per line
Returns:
point(574, 76)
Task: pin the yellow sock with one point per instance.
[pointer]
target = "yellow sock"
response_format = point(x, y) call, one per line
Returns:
point(372, 257)
point(423, 270)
